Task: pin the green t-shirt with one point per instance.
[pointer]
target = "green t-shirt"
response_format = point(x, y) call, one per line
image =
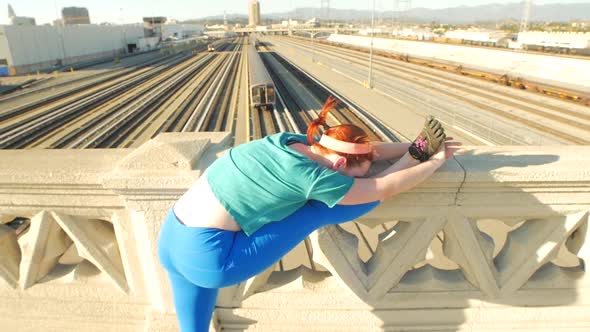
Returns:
point(265, 181)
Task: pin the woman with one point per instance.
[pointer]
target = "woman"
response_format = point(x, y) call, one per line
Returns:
point(261, 199)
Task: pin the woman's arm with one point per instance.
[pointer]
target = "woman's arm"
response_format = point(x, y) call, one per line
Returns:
point(389, 150)
point(402, 176)
point(408, 161)
point(391, 184)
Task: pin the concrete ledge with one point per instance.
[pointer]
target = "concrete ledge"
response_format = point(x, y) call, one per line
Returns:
point(496, 239)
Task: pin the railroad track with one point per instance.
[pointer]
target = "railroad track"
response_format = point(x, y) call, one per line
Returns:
point(80, 82)
point(180, 94)
point(78, 91)
point(292, 115)
point(567, 122)
point(578, 97)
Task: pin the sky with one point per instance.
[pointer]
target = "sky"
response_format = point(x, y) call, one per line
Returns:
point(131, 11)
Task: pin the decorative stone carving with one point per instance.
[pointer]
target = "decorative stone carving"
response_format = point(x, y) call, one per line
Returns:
point(43, 245)
point(96, 242)
point(337, 251)
point(10, 256)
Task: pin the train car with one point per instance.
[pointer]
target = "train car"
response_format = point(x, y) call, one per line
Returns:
point(210, 48)
point(262, 88)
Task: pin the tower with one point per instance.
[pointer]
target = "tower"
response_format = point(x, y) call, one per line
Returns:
point(253, 13)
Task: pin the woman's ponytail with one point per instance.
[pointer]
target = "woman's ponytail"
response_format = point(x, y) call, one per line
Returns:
point(313, 130)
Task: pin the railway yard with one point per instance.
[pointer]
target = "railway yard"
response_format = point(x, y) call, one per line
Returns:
point(124, 105)
point(207, 91)
point(130, 102)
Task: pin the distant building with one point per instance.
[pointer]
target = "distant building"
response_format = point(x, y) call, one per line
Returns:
point(220, 34)
point(253, 13)
point(580, 24)
point(480, 37)
point(370, 31)
point(27, 49)
point(176, 31)
point(414, 33)
point(216, 27)
point(314, 22)
point(289, 22)
point(19, 20)
point(75, 15)
point(552, 40)
point(152, 26)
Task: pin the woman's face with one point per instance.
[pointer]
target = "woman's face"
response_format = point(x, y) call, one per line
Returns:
point(358, 171)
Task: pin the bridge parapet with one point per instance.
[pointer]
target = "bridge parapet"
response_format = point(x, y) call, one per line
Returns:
point(496, 239)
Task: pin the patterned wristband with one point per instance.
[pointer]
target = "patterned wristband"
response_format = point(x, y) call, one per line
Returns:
point(418, 149)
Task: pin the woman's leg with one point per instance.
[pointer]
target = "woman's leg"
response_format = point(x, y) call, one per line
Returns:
point(178, 244)
point(201, 260)
point(194, 305)
point(253, 254)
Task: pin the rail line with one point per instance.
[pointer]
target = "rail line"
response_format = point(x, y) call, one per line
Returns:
point(508, 105)
point(579, 97)
point(129, 109)
point(294, 116)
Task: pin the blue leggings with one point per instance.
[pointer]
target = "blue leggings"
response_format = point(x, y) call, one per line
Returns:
point(201, 260)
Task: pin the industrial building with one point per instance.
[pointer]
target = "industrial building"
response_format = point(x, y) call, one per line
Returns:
point(417, 34)
point(75, 15)
point(152, 26)
point(578, 42)
point(253, 13)
point(176, 31)
point(480, 37)
point(26, 49)
point(19, 20)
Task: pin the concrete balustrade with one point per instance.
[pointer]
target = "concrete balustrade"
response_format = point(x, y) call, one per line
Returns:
point(497, 239)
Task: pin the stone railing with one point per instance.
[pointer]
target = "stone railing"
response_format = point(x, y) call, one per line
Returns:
point(496, 239)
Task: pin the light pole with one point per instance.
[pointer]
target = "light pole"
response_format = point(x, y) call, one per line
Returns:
point(60, 31)
point(371, 48)
point(312, 36)
point(312, 46)
point(124, 32)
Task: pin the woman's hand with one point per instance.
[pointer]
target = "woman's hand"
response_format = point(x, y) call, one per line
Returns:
point(446, 150)
point(428, 141)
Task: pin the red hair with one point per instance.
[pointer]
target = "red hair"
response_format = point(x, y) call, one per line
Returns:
point(344, 132)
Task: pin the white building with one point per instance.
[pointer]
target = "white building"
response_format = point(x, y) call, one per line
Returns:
point(25, 49)
point(370, 31)
point(570, 40)
point(481, 36)
point(181, 31)
point(220, 34)
point(419, 34)
point(289, 22)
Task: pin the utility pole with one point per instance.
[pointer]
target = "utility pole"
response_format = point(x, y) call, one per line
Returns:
point(526, 13)
point(312, 37)
point(399, 7)
point(325, 10)
point(60, 27)
point(312, 45)
point(371, 48)
point(124, 32)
